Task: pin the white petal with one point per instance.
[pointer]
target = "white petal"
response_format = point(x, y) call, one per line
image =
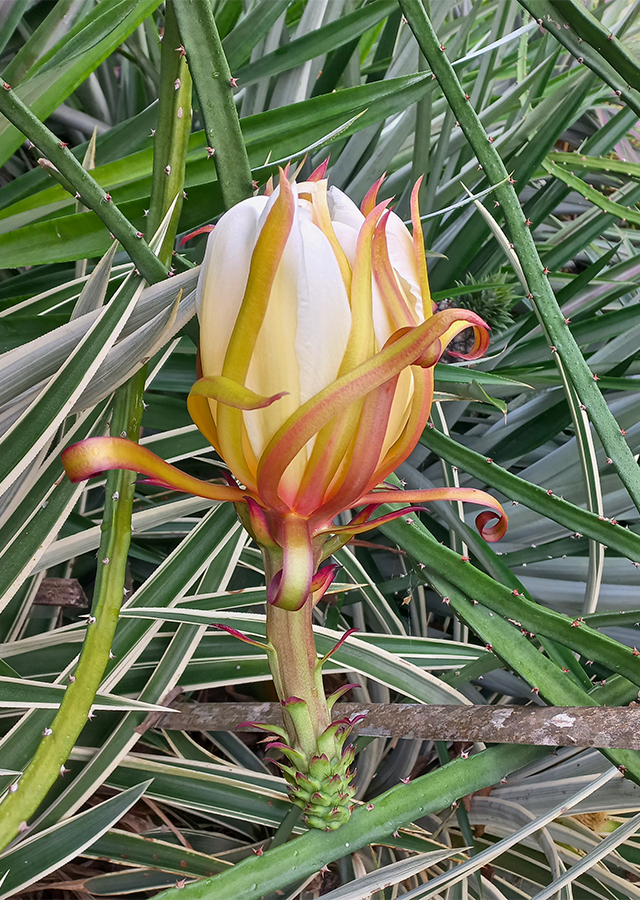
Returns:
point(304, 334)
point(348, 240)
point(324, 314)
point(343, 209)
point(223, 279)
point(347, 221)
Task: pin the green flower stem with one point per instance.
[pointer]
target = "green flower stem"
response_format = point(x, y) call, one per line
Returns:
point(91, 194)
point(58, 741)
point(171, 141)
point(295, 670)
point(510, 604)
point(296, 673)
point(214, 87)
point(532, 496)
point(551, 317)
point(257, 877)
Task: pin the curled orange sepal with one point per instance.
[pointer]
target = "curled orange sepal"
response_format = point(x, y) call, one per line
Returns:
point(321, 581)
point(99, 454)
point(351, 387)
point(231, 393)
point(206, 229)
point(467, 495)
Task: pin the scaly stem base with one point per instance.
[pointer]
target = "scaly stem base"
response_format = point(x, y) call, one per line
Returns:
point(318, 775)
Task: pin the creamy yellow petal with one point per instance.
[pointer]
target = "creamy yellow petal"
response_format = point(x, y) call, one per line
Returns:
point(223, 279)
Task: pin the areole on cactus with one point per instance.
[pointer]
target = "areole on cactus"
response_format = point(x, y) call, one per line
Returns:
point(318, 345)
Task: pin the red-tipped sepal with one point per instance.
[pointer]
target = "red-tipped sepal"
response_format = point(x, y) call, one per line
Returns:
point(322, 580)
point(100, 454)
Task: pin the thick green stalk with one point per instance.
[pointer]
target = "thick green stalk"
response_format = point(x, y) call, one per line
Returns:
point(172, 136)
point(587, 40)
point(214, 86)
point(58, 741)
point(90, 192)
point(294, 666)
point(317, 762)
point(257, 877)
point(551, 317)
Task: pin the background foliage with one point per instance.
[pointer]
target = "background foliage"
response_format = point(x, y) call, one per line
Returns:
point(550, 615)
